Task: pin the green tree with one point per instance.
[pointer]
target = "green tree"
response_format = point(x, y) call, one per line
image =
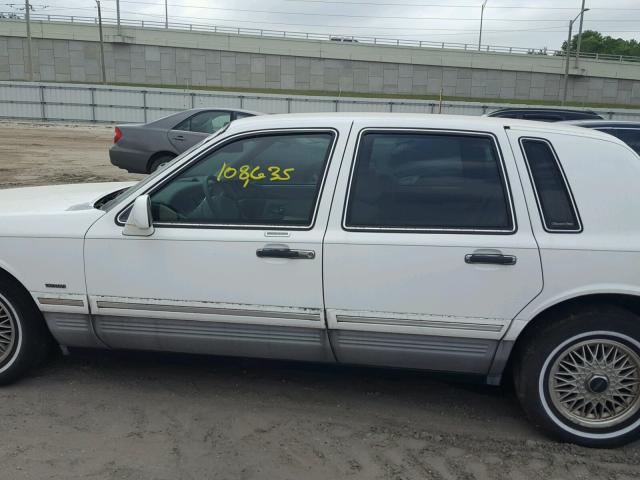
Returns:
point(595, 42)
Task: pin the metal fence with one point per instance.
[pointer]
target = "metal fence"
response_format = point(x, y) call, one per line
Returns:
point(348, 39)
point(95, 103)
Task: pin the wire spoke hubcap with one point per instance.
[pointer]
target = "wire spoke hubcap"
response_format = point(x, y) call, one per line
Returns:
point(596, 383)
point(7, 332)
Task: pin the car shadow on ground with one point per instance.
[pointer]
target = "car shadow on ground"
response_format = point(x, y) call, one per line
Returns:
point(398, 387)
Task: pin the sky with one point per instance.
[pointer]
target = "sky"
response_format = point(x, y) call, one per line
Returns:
point(517, 23)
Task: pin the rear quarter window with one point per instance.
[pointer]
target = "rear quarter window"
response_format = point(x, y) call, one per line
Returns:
point(554, 198)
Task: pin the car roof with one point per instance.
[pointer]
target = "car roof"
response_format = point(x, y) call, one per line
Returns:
point(408, 120)
point(175, 118)
point(223, 109)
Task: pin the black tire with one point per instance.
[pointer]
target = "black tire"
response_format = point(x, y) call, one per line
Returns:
point(31, 340)
point(548, 378)
point(158, 161)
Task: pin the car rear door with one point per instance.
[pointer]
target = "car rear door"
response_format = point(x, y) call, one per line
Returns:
point(429, 253)
point(197, 127)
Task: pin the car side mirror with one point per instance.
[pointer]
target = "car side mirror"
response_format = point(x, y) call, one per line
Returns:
point(140, 222)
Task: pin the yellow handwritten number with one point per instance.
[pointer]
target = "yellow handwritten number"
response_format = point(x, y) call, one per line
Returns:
point(246, 174)
point(277, 177)
point(287, 173)
point(224, 166)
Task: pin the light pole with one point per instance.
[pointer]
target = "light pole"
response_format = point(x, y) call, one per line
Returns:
point(118, 14)
point(484, 4)
point(568, 54)
point(166, 13)
point(580, 33)
point(27, 17)
point(104, 75)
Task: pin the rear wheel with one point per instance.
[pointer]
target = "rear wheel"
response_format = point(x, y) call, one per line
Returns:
point(23, 338)
point(579, 377)
point(159, 161)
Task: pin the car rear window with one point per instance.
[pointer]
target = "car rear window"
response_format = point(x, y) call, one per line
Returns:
point(428, 181)
point(555, 202)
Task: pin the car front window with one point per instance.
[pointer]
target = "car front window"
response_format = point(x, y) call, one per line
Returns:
point(265, 180)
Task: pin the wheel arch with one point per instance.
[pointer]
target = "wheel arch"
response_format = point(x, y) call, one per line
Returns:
point(157, 155)
point(510, 346)
point(8, 274)
point(11, 277)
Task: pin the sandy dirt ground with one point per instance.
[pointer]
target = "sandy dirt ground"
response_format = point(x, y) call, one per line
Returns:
point(46, 154)
point(115, 415)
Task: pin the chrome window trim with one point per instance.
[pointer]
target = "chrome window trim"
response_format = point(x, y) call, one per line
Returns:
point(223, 141)
point(471, 133)
point(574, 206)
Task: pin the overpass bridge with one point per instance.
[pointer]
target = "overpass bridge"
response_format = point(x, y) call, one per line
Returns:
point(66, 49)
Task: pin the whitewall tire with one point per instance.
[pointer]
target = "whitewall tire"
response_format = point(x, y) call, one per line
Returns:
point(578, 376)
point(24, 340)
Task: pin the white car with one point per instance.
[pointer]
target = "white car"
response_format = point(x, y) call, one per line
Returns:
point(457, 244)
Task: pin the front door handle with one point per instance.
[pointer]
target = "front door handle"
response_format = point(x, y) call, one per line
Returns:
point(491, 258)
point(286, 253)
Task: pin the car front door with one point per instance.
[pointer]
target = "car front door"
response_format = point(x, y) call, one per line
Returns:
point(234, 265)
point(431, 255)
point(197, 127)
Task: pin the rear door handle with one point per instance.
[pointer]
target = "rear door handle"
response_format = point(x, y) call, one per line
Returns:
point(491, 258)
point(286, 253)
point(179, 138)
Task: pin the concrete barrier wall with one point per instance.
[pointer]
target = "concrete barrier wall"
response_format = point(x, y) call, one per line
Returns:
point(69, 53)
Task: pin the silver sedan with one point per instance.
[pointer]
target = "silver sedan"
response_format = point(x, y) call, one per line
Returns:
point(143, 148)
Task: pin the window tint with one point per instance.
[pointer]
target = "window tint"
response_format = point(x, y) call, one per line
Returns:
point(428, 181)
point(628, 135)
point(552, 193)
point(205, 122)
point(270, 180)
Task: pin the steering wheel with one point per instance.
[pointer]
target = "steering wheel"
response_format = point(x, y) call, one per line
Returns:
point(169, 213)
point(220, 196)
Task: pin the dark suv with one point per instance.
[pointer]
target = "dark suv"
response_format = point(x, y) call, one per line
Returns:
point(627, 131)
point(545, 114)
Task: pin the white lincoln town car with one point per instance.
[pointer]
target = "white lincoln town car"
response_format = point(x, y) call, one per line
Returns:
point(495, 247)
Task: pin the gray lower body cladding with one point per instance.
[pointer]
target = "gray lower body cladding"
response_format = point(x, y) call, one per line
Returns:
point(463, 355)
point(425, 352)
point(187, 336)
